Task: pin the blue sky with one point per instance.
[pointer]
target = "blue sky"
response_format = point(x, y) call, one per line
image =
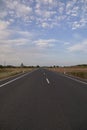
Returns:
point(44, 32)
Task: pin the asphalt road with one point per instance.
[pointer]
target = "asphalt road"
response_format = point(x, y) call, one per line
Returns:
point(43, 100)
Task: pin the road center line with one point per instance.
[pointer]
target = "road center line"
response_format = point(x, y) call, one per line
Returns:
point(47, 80)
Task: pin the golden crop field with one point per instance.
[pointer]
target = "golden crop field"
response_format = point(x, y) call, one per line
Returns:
point(75, 71)
point(7, 72)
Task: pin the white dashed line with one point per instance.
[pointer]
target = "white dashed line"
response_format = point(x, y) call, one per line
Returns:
point(47, 80)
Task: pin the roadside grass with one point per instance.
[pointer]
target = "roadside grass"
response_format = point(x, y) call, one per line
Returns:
point(80, 72)
point(7, 72)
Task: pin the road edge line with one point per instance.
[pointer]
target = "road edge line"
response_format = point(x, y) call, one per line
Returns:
point(15, 79)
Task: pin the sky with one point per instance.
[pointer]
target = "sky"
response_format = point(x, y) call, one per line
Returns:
point(43, 32)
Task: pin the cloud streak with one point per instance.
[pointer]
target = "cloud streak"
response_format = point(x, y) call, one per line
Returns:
point(80, 47)
point(45, 43)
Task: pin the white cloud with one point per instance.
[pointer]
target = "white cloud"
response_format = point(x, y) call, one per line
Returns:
point(20, 18)
point(6, 49)
point(11, 50)
point(45, 25)
point(4, 24)
point(24, 10)
point(17, 9)
point(48, 3)
point(61, 7)
point(25, 34)
point(72, 13)
point(4, 31)
point(76, 25)
point(3, 14)
point(45, 43)
point(82, 23)
point(4, 34)
point(66, 43)
point(80, 47)
point(14, 42)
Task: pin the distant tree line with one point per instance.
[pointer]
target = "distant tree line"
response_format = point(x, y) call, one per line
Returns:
point(21, 66)
point(37, 66)
point(7, 66)
point(82, 65)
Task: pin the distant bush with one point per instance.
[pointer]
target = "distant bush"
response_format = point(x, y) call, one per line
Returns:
point(1, 66)
point(10, 66)
point(38, 66)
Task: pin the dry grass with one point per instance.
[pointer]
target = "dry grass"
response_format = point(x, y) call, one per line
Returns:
point(75, 71)
point(7, 72)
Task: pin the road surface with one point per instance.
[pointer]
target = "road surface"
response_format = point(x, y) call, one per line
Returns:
point(43, 100)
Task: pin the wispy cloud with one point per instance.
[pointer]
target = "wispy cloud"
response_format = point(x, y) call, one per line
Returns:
point(79, 47)
point(45, 43)
point(3, 24)
point(4, 31)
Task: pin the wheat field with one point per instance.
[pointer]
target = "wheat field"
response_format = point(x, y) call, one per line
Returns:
point(7, 72)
